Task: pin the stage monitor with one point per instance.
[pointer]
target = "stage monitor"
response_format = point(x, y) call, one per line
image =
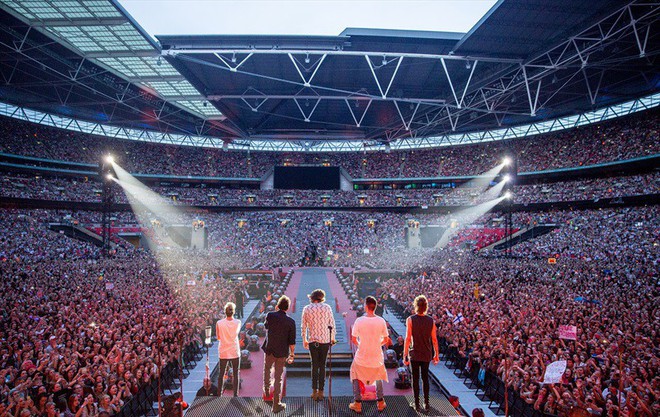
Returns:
point(306, 178)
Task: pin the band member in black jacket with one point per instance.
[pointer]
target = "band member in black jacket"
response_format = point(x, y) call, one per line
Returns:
point(279, 346)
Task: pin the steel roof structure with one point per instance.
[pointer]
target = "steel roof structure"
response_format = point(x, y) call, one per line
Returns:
point(90, 59)
point(527, 62)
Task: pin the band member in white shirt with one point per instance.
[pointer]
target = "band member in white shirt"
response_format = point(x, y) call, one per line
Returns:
point(229, 351)
point(318, 332)
point(369, 335)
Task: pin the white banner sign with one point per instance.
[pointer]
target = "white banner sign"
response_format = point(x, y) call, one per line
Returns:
point(109, 285)
point(568, 332)
point(554, 372)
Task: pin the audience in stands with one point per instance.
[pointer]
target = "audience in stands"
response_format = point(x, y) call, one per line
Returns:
point(82, 189)
point(630, 137)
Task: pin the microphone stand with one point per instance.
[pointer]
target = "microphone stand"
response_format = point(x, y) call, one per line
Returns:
point(207, 344)
point(181, 367)
point(330, 373)
point(160, 371)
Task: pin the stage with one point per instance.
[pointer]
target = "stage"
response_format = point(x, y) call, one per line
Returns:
point(397, 406)
point(298, 378)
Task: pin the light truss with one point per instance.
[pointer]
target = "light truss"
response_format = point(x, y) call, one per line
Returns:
point(524, 131)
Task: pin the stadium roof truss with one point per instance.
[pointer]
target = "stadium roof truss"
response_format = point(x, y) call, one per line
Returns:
point(568, 122)
point(527, 67)
point(475, 85)
point(101, 32)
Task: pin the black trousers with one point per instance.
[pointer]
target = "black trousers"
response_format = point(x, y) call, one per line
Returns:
point(318, 352)
point(221, 377)
point(418, 366)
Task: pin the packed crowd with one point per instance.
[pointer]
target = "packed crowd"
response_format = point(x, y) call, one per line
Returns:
point(74, 341)
point(82, 189)
point(625, 138)
point(504, 313)
point(73, 338)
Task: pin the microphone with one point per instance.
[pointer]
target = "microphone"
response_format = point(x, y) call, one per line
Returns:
point(332, 342)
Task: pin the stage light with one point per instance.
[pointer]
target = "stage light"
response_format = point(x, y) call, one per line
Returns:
point(109, 159)
point(507, 178)
point(506, 161)
point(508, 195)
point(109, 177)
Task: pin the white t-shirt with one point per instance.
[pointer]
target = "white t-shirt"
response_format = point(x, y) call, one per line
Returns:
point(370, 332)
point(227, 333)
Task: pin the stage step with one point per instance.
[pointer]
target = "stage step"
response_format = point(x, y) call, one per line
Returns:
point(305, 371)
point(397, 406)
point(336, 363)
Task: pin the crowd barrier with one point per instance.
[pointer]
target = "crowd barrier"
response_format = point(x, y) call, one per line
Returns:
point(145, 402)
point(488, 386)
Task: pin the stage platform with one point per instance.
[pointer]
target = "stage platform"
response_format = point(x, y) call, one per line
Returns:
point(397, 406)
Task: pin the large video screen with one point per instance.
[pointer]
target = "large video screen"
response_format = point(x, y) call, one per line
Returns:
point(306, 178)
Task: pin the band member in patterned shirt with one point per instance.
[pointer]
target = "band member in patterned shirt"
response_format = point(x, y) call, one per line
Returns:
point(318, 332)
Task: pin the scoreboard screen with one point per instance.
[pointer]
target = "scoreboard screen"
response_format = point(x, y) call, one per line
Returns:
point(306, 178)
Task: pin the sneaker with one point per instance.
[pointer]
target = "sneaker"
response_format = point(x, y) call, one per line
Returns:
point(278, 407)
point(357, 407)
point(416, 407)
point(381, 405)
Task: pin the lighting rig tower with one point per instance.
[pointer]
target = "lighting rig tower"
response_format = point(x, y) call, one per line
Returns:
point(106, 172)
point(510, 176)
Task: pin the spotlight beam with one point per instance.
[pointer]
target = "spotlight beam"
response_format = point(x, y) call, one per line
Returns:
point(482, 181)
point(466, 217)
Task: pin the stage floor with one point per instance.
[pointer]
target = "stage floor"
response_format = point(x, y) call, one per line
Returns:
point(397, 406)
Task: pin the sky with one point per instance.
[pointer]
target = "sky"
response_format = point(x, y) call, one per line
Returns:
point(302, 17)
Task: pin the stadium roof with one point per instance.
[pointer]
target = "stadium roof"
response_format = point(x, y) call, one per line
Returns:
point(524, 62)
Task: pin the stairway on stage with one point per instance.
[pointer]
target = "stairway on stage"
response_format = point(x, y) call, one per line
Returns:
point(299, 373)
point(397, 406)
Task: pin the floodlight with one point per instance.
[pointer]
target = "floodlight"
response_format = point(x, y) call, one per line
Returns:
point(506, 160)
point(508, 195)
point(507, 178)
point(109, 177)
point(109, 159)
